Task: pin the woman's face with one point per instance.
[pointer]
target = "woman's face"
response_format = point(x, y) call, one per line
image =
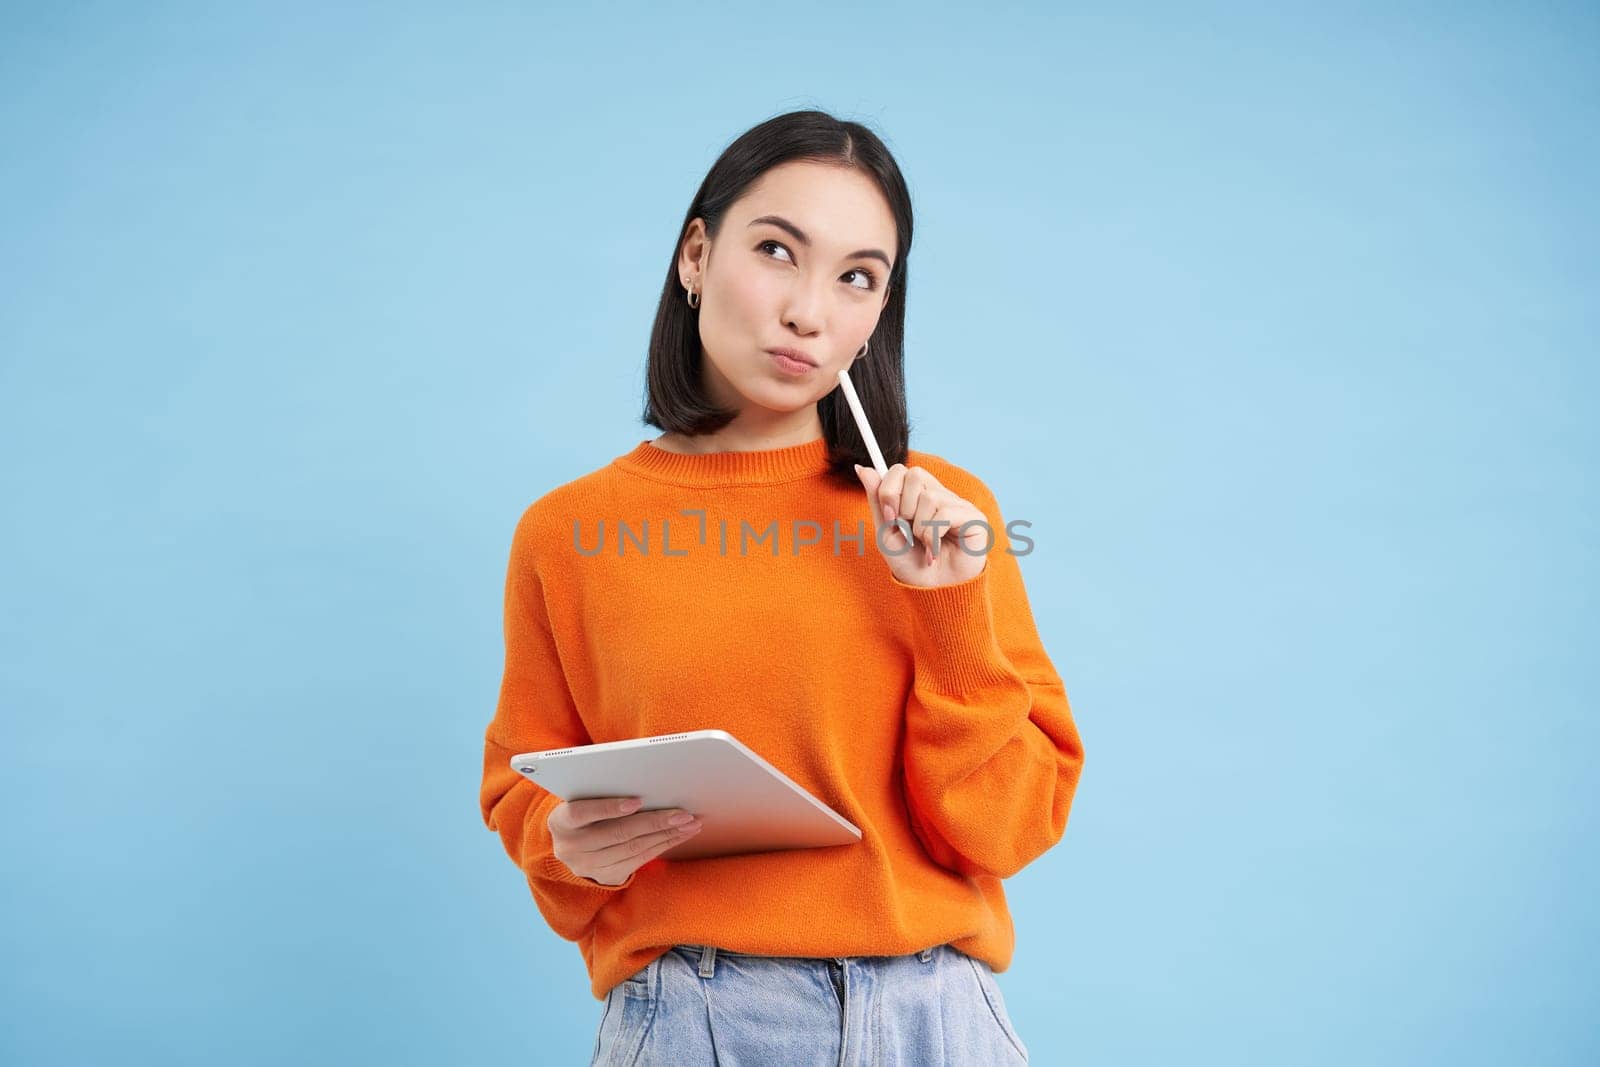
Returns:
point(764, 286)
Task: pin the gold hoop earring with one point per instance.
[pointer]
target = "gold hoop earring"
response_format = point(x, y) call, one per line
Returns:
point(694, 299)
point(861, 354)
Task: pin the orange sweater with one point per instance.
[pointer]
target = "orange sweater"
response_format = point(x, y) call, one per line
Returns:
point(931, 718)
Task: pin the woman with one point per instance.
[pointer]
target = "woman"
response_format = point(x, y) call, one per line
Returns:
point(903, 684)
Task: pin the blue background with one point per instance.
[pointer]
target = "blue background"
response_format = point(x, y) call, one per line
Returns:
point(1278, 324)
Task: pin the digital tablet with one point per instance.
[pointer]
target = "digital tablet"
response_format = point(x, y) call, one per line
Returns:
point(745, 803)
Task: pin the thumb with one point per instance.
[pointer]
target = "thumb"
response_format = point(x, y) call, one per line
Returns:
point(870, 480)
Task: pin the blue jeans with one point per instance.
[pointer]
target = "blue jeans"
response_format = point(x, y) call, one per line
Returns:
point(699, 1004)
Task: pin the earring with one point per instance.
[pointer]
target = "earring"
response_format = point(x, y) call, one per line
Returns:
point(694, 299)
point(863, 351)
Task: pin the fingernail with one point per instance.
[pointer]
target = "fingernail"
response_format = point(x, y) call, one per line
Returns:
point(631, 805)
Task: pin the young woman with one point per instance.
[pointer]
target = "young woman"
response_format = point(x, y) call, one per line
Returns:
point(901, 682)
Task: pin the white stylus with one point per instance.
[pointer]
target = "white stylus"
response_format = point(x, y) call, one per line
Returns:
point(861, 422)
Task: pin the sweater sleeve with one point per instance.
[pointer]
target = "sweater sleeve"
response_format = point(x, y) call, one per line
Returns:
point(991, 753)
point(535, 711)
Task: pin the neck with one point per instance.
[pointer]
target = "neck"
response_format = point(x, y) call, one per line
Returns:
point(750, 433)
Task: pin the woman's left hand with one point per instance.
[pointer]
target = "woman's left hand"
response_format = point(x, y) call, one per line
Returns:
point(937, 555)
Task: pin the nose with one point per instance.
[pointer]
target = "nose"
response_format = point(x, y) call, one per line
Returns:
point(804, 310)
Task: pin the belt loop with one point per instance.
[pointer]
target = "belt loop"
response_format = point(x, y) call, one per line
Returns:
point(708, 961)
point(926, 955)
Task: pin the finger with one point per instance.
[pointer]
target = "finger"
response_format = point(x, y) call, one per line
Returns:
point(620, 831)
point(901, 490)
point(618, 861)
point(920, 502)
point(579, 813)
point(928, 505)
point(893, 540)
point(605, 842)
point(975, 539)
point(869, 480)
point(889, 490)
point(618, 873)
point(911, 492)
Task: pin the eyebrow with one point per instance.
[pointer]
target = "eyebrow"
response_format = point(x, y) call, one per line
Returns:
point(799, 235)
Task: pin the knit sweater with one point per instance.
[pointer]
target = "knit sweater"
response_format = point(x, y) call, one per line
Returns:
point(745, 591)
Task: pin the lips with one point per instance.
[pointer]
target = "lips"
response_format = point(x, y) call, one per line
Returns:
point(793, 353)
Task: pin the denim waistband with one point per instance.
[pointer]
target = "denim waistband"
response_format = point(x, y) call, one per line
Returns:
point(707, 955)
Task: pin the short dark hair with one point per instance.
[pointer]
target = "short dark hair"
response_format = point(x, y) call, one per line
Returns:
point(674, 397)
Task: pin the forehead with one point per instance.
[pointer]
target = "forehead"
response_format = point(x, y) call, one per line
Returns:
point(839, 206)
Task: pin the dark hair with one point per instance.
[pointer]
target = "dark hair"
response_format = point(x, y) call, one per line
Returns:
point(674, 397)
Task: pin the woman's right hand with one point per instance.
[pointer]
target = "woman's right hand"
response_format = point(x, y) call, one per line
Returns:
point(598, 839)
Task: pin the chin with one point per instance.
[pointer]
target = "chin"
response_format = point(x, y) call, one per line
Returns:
point(776, 396)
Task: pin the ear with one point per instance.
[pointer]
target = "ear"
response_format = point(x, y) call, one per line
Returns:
point(692, 252)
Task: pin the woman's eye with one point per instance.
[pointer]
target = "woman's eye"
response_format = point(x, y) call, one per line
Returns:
point(872, 281)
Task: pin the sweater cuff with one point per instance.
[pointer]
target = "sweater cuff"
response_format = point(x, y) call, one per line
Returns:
point(954, 637)
point(543, 864)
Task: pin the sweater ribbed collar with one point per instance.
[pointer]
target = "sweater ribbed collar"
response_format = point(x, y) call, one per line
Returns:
point(759, 467)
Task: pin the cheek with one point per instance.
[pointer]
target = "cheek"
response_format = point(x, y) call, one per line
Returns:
point(749, 296)
point(861, 324)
